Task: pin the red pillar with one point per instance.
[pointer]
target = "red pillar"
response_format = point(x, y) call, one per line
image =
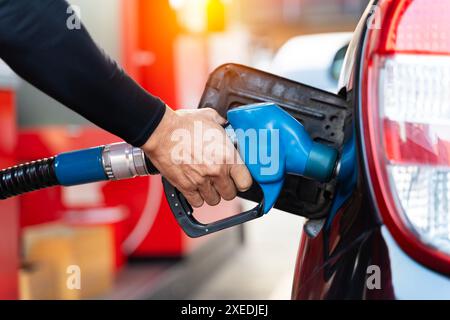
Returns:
point(149, 32)
point(9, 220)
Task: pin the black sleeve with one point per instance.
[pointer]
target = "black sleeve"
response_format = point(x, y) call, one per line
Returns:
point(66, 64)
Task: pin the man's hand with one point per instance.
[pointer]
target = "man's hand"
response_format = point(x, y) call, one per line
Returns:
point(191, 150)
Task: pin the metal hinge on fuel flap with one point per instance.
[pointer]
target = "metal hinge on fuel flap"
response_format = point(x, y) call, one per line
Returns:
point(323, 114)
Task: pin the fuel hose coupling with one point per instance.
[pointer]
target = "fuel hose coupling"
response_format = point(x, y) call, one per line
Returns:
point(116, 161)
point(123, 161)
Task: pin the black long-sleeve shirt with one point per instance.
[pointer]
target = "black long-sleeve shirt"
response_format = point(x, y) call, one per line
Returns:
point(66, 64)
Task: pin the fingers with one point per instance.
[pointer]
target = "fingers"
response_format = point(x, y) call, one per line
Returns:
point(209, 193)
point(200, 186)
point(241, 177)
point(194, 198)
point(225, 187)
point(189, 191)
point(211, 189)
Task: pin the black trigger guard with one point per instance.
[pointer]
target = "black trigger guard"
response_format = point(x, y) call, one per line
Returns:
point(183, 213)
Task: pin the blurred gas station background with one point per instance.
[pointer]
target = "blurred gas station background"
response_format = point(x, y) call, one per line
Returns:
point(122, 234)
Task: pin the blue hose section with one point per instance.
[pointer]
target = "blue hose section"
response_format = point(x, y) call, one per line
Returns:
point(80, 167)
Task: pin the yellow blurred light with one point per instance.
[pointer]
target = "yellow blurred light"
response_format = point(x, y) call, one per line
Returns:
point(216, 15)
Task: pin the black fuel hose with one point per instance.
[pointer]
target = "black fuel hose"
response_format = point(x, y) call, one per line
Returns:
point(27, 177)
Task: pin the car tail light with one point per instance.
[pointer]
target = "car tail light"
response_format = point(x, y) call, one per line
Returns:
point(405, 91)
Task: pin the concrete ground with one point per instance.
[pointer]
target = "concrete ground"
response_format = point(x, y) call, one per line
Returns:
point(263, 268)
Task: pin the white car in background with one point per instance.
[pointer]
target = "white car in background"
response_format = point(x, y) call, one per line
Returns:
point(315, 60)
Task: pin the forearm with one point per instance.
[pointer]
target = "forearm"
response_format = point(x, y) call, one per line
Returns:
point(68, 66)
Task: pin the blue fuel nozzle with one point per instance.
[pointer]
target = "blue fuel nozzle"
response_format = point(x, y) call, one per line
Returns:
point(273, 144)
